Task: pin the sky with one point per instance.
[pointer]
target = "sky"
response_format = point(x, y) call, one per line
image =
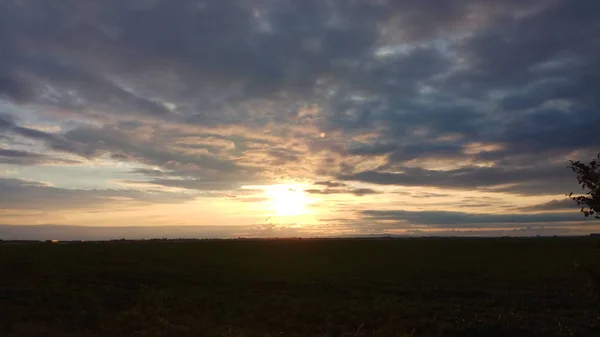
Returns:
point(273, 118)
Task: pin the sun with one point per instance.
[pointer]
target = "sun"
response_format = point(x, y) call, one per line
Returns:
point(288, 200)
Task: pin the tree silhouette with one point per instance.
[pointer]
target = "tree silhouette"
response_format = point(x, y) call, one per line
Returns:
point(588, 176)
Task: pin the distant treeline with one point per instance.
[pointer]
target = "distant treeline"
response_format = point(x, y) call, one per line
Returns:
point(385, 237)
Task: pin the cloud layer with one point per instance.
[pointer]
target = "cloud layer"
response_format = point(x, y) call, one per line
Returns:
point(368, 106)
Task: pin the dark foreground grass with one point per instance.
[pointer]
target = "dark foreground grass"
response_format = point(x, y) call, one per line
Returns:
point(403, 287)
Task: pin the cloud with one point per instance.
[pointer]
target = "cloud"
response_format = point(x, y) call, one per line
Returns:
point(17, 154)
point(512, 232)
point(270, 48)
point(14, 88)
point(69, 232)
point(529, 180)
point(448, 219)
point(426, 195)
point(213, 95)
point(192, 184)
point(31, 195)
point(16, 157)
point(56, 142)
point(359, 192)
point(330, 183)
point(554, 205)
point(131, 146)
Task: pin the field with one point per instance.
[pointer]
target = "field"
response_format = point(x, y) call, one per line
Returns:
point(376, 287)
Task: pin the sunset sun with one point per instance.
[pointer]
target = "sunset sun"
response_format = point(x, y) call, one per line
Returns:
point(287, 200)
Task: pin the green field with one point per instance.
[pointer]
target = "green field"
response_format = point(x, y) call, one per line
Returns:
point(383, 287)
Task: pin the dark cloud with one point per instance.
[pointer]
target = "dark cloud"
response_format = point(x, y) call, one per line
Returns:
point(193, 184)
point(546, 63)
point(554, 205)
point(70, 232)
point(263, 48)
point(17, 154)
point(6, 122)
point(426, 195)
point(217, 184)
point(512, 232)
point(14, 88)
point(373, 149)
point(54, 141)
point(151, 151)
point(15, 157)
point(447, 219)
point(546, 112)
point(127, 145)
point(23, 195)
point(440, 150)
point(359, 192)
point(180, 169)
point(64, 232)
point(531, 180)
point(152, 173)
point(330, 183)
point(551, 43)
point(283, 156)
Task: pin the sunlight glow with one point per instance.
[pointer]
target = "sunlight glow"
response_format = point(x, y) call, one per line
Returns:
point(288, 200)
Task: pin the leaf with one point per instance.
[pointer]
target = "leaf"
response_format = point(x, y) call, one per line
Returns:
point(588, 177)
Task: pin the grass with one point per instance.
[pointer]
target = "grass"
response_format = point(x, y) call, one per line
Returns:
point(402, 287)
